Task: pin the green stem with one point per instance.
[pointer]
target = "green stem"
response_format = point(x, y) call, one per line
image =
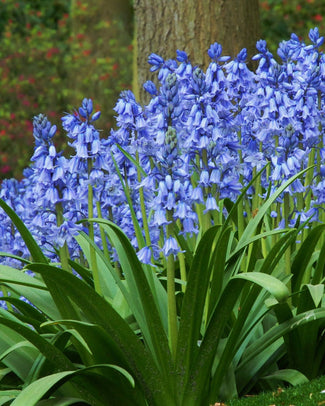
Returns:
point(182, 267)
point(308, 178)
point(93, 259)
point(240, 207)
point(116, 263)
point(286, 209)
point(256, 198)
point(143, 206)
point(171, 297)
point(102, 232)
point(63, 251)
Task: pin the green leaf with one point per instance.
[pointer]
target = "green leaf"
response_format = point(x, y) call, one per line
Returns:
point(58, 359)
point(63, 305)
point(145, 298)
point(256, 368)
point(84, 272)
point(106, 278)
point(193, 305)
point(218, 262)
point(61, 401)
point(232, 216)
point(243, 244)
point(252, 225)
point(251, 309)
point(21, 361)
point(17, 346)
point(273, 285)
point(199, 373)
point(320, 267)
point(134, 161)
point(8, 255)
point(202, 364)
point(136, 225)
point(316, 292)
point(31, 288)
point(291, 376)
point(8, 395)
point(302, 258)
point(4, 372)
point(95, 340)
point(98, 311)
point(26, 312)
point(15, 276)
point(280, 330)
point(36, 390)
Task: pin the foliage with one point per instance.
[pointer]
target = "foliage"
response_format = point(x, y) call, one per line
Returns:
point(181, 158)
point(280, 18)
point(48, 59)
point(220, 329)
point(180, 259)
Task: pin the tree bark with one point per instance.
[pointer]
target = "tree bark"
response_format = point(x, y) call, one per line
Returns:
point(163, 26)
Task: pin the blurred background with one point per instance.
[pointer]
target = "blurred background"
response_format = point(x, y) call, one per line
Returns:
point(53, 53)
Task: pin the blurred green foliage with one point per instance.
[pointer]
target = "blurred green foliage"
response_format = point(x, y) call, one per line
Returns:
point(281, 18)
point(54, 53)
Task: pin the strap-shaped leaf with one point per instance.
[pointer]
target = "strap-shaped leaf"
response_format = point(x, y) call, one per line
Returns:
point(201, 366)
point(252, 225)
point(291, 376)
point(268, 282)
point(280, 330)
point(304, 254)
point(146, 297)
point(37, 255)
point(98, 311)
point(193, 305)
point(35, 391)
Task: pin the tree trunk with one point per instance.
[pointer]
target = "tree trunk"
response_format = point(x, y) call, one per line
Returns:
point(163, 26)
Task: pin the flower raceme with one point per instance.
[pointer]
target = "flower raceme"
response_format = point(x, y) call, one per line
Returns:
point(201, 138)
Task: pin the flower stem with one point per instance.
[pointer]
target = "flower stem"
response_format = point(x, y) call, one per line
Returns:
point(63, 251)
point(93, 259)
point(286, 212)
point(171, 298)
point(308, 179)
point(102, 232)
point(143, 206)
point(182, 267)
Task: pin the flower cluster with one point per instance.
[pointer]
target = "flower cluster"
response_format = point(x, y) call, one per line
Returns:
point(172, 163)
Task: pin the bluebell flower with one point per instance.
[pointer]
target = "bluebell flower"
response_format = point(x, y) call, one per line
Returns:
point(210, 204)
point(200, 139)
point(170, 247)
point(156, 61)
point(43, 130)
point(150, 87)
point(181, 56)
point(215, 52)
point(315, 38)
point(145, 255)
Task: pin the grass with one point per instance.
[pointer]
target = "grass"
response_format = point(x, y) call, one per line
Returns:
point(307, 394)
